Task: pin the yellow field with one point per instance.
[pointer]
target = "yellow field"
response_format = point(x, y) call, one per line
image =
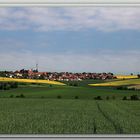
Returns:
point(126, 76)
point(119, 83)
point(30, 81)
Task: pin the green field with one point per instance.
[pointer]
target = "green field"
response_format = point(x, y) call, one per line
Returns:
point(68, 116)
point(42, 112)
point(83, 91)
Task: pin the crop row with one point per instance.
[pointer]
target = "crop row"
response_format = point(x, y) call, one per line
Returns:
point(67, 117)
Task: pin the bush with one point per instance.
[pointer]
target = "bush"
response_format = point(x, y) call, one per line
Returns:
point(22, 96)
point(98, 98)
point(124, 98)
point(1, 86)
point(34, 83)
point(17, 96)
point(59, 97)
point(75, 84)
point(134, 97)
point(76, 97)
point(13, 84)
point(6, 86)
point(113, 97)
point(11, 96)
point(132, 88)
point(70, 84)
point(122, 88)
point(107, 98)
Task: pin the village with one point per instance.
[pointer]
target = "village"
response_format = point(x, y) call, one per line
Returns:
point(55, 76)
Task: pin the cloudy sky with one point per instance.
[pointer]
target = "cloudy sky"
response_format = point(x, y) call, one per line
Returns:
point(76, 39)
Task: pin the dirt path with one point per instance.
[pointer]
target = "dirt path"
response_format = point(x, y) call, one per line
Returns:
point(117, 127)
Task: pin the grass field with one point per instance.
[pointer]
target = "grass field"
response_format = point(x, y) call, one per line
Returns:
point(68, 116)
point(42, 112)
point(66, 92)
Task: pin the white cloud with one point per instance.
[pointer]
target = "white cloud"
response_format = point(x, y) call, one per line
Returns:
point(52, 19)
point(76, 18)
point(103, 62)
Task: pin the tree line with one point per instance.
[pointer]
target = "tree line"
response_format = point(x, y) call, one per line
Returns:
point(8, 85)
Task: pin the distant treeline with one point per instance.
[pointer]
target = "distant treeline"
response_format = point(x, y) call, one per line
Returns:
point(126, 88)
point(8, 85)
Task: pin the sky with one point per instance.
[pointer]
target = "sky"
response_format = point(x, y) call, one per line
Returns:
point(74, 39)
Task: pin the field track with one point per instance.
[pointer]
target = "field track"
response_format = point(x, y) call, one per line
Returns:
point(68, 116)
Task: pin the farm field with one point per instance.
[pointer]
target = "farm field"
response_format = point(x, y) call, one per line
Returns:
point(68, 116)
point(66, 92)
point(119, 83)
point(68, 109)
point(126, 76)
point(30, 81)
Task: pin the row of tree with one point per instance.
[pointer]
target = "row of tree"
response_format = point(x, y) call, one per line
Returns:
point(8, 85)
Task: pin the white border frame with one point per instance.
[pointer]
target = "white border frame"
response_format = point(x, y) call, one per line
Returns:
point(69, 3)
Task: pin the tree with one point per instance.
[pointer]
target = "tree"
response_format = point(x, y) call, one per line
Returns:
point(98, 98)
point(42, 76)
point(134, 97)
point(107, 98)
point(25, 75)
point(6, 86)
point(124, 98)
point(138, 75)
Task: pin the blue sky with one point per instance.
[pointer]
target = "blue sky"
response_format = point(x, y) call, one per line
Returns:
point(78, 39)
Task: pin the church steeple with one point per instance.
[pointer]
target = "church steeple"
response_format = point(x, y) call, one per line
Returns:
point(36, 67)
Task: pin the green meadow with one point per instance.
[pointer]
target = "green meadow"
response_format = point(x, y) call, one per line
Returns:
point(70, 109)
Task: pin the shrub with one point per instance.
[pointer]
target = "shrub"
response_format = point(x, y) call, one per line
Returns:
point(98, 98)
point(76, 97)
point(122, 88)
point(75, 84)
point(107, 98)
point(1, 86)
point(124, 98)
point(11, 96)
point(14, 84)
point(113, 97)
point(70, 84)
point(34, 83)
point(132, 88)
point(22, 96)
point(59, 97)
point(6, 86)
point(134, 97)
